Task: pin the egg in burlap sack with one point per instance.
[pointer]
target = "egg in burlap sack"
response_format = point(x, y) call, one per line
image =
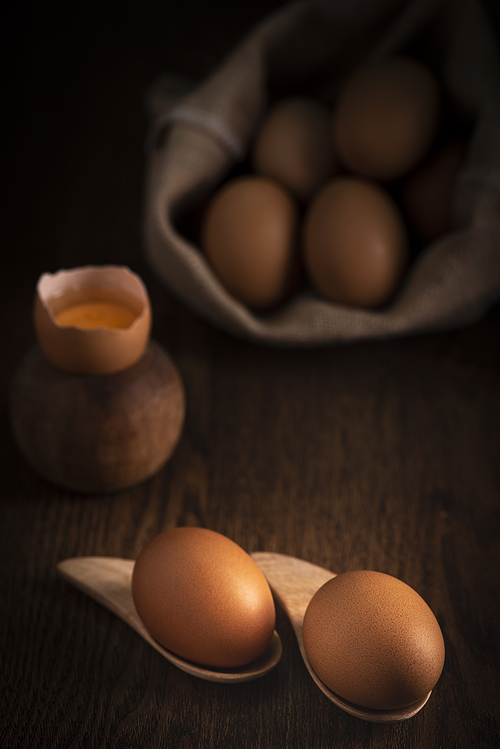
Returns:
point(201, 133)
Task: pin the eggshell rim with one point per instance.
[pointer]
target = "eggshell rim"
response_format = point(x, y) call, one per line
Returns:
point(63, 275)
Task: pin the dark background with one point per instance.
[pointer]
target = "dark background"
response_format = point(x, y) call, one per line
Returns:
point(380, 455)
point(75, 83)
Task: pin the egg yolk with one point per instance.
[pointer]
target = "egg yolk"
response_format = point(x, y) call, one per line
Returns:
point(96, 314)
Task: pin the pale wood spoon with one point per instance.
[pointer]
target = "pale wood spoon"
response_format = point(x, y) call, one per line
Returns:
point(108, 581)
point(294, 582)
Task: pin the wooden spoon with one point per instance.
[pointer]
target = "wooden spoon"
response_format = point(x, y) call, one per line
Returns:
point(108, 581)
point(294, 582)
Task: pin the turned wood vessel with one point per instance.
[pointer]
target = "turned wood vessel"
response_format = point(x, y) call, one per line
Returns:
point(97, 433)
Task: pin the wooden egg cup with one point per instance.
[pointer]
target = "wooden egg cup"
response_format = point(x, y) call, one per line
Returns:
point(97, 433)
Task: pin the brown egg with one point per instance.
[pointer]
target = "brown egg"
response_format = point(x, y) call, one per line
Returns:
point(94, 320)
point(373, 640)
point(426, 195)
point(249, 236)
point(355, 243)
point(295, 146)
point(203, 597)
point(386, 118)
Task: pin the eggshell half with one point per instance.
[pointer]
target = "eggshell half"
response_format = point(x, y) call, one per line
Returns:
point(373, 640)
point(99, 350)
point(203, 597)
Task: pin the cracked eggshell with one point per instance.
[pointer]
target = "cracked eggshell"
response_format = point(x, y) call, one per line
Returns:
point(96, 350)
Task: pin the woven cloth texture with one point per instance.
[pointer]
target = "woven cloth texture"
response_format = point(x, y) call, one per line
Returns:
point(199, 133)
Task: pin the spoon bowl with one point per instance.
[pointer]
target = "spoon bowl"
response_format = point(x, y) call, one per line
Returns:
point(294, 582)
point(108, 581)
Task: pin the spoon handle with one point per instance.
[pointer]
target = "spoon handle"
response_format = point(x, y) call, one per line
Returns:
point(293, 581)
point(108, 581)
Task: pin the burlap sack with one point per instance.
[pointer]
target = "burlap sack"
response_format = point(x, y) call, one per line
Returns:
point(313, 46)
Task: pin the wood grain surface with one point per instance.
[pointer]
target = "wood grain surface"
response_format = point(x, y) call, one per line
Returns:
point(382, 455)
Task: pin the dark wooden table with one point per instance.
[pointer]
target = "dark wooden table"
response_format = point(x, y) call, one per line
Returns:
point(380, 455)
